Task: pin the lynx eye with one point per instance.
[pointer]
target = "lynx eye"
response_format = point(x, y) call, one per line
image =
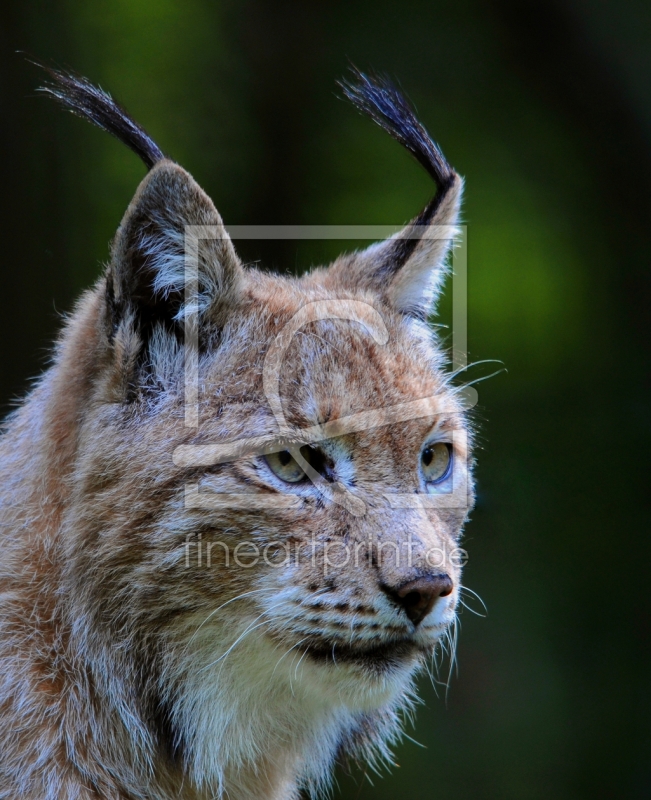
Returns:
point(285, 466)
point(435, 461)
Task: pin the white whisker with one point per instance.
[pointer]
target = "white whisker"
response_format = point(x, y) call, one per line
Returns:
point(462, 386)
point(452, 375)
point(473, 592)
point(248, 630)
point(472, 610)
point(287, 652)
point(219, 608)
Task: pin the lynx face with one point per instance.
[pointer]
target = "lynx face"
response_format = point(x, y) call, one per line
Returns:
point(252, 592)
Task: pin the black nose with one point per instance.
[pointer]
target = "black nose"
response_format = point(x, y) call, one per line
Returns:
point(417, 597)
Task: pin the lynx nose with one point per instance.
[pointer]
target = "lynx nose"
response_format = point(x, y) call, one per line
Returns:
point(417, 597)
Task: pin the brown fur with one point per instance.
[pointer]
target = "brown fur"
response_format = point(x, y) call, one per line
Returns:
point(126, 672)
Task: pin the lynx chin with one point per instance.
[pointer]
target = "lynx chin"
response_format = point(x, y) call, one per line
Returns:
point(223, 608)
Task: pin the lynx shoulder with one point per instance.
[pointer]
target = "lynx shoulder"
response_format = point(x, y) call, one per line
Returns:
point(230, 509)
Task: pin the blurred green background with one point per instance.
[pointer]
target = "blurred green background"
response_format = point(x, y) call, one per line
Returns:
point(545, 108)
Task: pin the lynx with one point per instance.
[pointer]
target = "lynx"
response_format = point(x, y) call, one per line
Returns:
point(229, 534)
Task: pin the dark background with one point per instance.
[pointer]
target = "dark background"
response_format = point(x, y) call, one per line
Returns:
point(546, 110)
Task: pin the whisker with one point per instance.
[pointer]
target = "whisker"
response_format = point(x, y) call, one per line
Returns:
point(428, 669)
point(299, 663)
point(451, 375)
point(291, 685)
point(472, 610)
point(472, 592)
point(453, 651)
point(219, 608)
point(287, 652)
point(248, 630)
point(479, 380)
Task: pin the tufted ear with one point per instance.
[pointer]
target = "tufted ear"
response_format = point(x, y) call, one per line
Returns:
point(408, 269)
point(146, 279)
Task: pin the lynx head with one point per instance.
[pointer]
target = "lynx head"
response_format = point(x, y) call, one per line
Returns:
point(271, 475)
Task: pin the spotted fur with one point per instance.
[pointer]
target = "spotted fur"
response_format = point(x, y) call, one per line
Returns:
point(139, 658)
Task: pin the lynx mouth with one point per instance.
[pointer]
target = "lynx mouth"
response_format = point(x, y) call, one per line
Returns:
point(381, 657)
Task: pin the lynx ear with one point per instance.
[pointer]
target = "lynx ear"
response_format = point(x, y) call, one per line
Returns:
point(146, 279)
point(408, 269)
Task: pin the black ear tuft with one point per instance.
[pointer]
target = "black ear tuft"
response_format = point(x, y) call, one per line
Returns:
point(408, 269)
point(89, 102)
point(384, 103)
